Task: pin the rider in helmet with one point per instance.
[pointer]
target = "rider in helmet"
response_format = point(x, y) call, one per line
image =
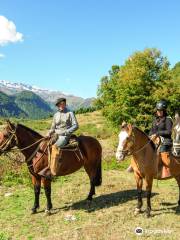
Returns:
point(162, 127)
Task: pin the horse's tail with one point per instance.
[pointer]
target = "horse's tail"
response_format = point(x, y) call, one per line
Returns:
point(98, 176)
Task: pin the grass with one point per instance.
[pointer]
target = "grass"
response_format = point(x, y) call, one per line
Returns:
point(109, 216)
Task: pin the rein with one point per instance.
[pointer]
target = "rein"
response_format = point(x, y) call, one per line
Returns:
point(21, 149)
point(139, 150)
point(4, 149)
point(8, 141)
point(13, 134)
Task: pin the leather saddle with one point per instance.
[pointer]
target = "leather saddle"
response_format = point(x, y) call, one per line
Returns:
point(73, 143)
point(163, 171)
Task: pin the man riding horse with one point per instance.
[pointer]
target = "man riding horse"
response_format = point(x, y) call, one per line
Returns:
point(63, 125)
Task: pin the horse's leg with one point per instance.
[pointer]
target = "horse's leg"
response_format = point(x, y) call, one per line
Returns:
point(47, 189)
point(139, 183)
point(37, 188)
point(149, 181)
point(91, 174)
point(92, 185)
point(178, 182)
point(95, 176)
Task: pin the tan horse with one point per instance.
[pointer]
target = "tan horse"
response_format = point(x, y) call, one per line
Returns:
point(133, 141)
point(36, 158)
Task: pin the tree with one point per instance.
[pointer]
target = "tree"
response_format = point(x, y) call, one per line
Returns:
point(170, 90)
point(130, 91)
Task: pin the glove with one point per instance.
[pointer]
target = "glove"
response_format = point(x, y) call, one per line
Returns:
point(50, 133)
point(153, 137)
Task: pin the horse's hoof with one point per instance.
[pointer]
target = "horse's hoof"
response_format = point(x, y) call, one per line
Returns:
point(89, 198)
point(33, 211)
point(47, 212)
point(137, 211)
point(148, 214)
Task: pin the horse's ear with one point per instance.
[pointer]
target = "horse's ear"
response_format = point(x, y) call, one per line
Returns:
point(10, 124)
point(130, 127)
point(123, 125)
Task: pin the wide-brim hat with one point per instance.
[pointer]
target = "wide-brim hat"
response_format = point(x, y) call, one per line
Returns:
point(59, 100)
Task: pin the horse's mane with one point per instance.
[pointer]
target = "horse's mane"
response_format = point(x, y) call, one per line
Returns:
point(34, 133)
point(143, 133)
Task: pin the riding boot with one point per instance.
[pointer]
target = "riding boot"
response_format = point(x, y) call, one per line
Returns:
point(55, 159)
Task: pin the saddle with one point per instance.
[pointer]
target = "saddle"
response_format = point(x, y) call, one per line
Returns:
point(55, 161)
point(163, 171)
point(73, 143)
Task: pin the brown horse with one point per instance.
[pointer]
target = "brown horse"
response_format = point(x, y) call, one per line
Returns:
point(133, 141)
point(27, 141)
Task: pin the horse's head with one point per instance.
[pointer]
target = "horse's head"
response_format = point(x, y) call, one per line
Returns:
point(126, 141)
point(8, 137)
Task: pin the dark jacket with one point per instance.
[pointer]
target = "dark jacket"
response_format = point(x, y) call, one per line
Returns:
point(162, 126)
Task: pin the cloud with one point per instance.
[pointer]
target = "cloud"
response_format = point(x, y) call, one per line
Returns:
point(2, 56)
point(8, 33)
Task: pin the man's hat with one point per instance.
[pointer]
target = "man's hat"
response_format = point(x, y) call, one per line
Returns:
point(59, 100)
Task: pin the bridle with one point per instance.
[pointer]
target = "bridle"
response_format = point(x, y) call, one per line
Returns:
point(129, 152)
point(4, 146)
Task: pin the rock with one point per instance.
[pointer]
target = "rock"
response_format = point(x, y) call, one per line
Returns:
point(8, 194)
point(69, 217)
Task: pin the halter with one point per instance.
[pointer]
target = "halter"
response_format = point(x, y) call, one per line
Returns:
point(128, 152)
point(4, 146)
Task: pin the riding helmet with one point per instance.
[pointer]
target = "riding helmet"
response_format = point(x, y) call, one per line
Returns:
point(161, 105)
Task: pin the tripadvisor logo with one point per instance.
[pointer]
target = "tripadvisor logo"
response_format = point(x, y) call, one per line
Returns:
point(139, 231)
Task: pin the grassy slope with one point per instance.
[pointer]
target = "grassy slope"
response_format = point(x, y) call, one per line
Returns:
point(110, 216)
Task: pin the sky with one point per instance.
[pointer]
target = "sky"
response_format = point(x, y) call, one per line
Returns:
point(68, 45)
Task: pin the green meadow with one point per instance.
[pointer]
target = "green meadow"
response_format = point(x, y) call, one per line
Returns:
point(111, 213)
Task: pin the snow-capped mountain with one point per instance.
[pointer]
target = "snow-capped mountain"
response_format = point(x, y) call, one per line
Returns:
point(22, 87)
point(49, 96)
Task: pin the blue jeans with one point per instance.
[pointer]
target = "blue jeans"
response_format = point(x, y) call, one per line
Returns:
point(165, 148)
point(62, 141)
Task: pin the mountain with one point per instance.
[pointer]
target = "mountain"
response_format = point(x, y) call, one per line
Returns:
point(49, 96)
point(32, 104)
point(8, 107)
point(25, 104)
